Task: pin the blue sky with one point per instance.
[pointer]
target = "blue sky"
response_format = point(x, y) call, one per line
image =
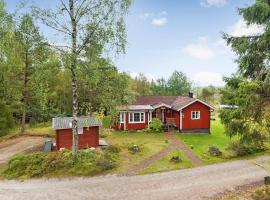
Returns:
point(184, 35)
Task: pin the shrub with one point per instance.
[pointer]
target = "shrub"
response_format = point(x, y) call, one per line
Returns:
point(113, 149)
point(106, 122)
point(241, 149)
point(156, 125)
point(87, 162)
point(214, 151)
point(262, 194)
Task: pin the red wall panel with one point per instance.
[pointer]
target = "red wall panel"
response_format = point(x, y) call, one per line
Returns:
point(136, 126)
point(202, 123)
point(89, 138)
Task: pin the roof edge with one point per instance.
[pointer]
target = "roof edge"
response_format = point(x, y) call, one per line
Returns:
point(197, 100)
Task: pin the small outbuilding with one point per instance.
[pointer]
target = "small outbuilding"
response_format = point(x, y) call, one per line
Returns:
point(88, 132)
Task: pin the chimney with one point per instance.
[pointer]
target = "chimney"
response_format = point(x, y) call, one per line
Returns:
point(190, 94)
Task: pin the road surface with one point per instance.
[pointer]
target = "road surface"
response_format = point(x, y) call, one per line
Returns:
point(196, 183)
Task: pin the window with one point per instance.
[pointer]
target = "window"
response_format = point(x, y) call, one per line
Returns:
point(136, 117)
point(122, 117)
point(195, 114)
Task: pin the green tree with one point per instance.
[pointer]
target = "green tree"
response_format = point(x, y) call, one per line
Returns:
point(250, 89)
point(83, 22)
point(140, 85)
point(178, 84)
point(32, 54)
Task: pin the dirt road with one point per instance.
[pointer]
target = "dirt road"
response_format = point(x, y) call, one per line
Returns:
point(17, 145)
point(196, 183)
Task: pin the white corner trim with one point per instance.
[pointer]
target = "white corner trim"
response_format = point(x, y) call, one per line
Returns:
point(196, 100)
point(181, 120)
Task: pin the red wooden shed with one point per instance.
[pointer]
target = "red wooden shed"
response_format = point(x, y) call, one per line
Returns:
point(88, 132)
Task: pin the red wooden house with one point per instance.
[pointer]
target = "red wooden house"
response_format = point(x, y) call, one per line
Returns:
point(186, 113)
point(88, 132)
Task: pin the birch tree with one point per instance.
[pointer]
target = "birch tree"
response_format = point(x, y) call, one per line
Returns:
point(80, 22)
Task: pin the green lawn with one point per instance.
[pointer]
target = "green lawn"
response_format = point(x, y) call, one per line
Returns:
point(43, 130)
point(165, 163)
point(151, 143)
point(201, 142)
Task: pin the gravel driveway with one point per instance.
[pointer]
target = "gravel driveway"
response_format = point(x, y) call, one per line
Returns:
point(196, 183)
point(18, 145)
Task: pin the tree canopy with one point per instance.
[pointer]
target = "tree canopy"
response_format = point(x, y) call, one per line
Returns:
point(249, 88)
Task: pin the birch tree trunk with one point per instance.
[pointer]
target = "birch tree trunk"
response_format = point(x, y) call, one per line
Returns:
point(74, 79)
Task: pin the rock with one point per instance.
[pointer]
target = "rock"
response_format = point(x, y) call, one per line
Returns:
point(214, 151)
point(135, 148)
point(176, 159)
point(267, 180)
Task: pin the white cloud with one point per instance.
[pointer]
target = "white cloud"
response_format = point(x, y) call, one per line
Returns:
point(208, 78)
point(149, 76)
point(240, 28)
point(205, 50)
point(216, 3)
point(200, 50)
point(159, 21)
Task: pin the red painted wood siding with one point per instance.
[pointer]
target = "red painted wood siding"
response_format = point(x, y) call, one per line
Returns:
point(89, 138)
point(137, 126)
point(202, 123)
point(176, 115)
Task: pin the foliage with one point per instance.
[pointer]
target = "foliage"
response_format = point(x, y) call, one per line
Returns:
point(249, 89)
point(209, 94)
point(6, 120)
point(177, 84)
point(240, 149)
point(156, 125)
point(61, 163)
point(262, 194)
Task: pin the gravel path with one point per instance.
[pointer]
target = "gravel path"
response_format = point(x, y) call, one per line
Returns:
point(197, 183)
point(17, 145)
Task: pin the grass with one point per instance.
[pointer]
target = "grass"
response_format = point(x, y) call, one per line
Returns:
point(165, 163)
point(42, 130)
point(150, 143)
point(60, 164)
point(201, 142)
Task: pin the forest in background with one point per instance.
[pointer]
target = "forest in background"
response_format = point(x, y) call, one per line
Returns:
point(35, 82)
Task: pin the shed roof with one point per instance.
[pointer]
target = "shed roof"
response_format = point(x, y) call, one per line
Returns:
point(66, 122)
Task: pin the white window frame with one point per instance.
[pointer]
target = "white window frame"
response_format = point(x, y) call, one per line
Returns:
point(122, 117)
point(137, 122)
point(197, 115)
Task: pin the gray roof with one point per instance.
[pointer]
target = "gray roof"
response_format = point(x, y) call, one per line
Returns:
point(66, 122)
point(136, 107)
